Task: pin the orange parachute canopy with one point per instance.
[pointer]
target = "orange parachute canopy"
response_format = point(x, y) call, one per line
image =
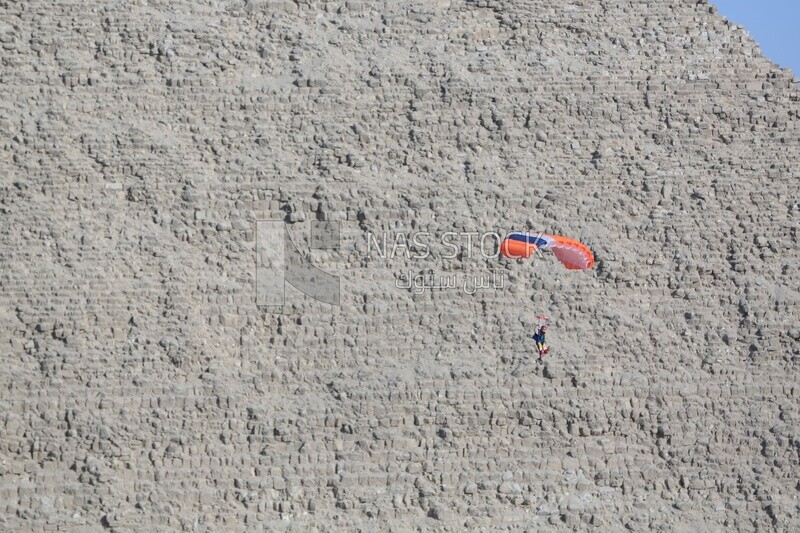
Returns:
point(573, 254)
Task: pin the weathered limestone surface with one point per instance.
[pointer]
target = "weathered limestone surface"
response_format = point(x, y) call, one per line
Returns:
point(142, 388)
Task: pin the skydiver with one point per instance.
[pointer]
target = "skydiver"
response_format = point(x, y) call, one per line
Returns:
point(541, 345)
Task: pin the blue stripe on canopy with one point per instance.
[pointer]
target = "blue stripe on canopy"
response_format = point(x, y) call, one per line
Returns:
point(528, 238)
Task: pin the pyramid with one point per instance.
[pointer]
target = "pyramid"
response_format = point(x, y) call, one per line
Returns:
point(160, 371)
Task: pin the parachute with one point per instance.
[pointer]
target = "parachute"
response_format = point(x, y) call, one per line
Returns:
point(572, 254)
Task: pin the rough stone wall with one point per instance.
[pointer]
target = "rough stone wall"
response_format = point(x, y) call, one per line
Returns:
point(142, 387)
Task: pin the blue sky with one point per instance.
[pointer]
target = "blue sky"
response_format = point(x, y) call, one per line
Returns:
point(774, 24)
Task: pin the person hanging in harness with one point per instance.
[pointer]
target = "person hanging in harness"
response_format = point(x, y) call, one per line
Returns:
point(541, 344)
